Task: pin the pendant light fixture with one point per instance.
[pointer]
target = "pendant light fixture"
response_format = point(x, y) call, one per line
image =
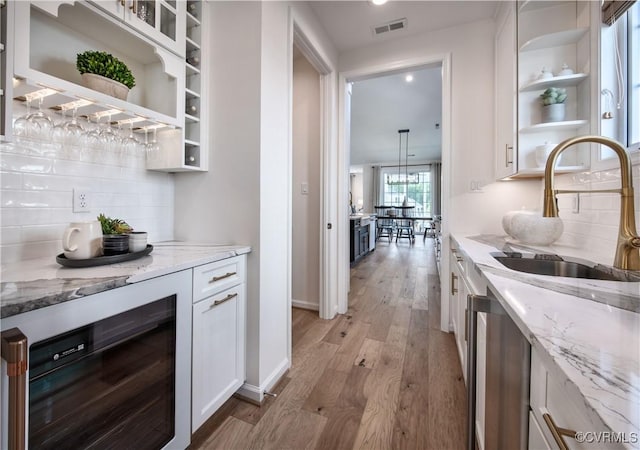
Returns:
point(406, 164)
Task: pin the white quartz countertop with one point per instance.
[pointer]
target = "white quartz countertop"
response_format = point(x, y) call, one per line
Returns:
point(36, 283)
point(586, 341)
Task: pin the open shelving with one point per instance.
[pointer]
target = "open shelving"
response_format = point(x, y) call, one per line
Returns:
point(559, 81)
point(65, 30)
point(550, 35)
point(555, 126)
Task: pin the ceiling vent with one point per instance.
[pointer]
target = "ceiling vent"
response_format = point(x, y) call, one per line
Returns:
point(394, 25)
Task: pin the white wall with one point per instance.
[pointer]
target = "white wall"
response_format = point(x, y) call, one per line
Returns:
point(246, 195)
point(223, 205)
point(305, 270)
point(36, 196)
point(471, 49)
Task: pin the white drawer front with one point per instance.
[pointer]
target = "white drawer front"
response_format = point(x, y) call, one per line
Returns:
point(218, 276)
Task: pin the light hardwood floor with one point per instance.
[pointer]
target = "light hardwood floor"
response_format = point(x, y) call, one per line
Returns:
point(382, 376)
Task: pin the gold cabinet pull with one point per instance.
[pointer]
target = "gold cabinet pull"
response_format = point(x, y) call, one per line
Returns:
point(454, 290)
point(122, 2)
point(222, 277)
point(133, 6)
point(558, 432)
point(226, 299)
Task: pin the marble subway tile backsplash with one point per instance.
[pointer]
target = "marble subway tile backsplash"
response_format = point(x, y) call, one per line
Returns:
point(36, 197)
point(594, 229)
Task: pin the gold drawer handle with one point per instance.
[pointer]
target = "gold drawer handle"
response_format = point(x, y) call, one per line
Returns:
point(222, 277)
point(558, 432)
point(226, 299)
point(454, 290)
point(133, 6)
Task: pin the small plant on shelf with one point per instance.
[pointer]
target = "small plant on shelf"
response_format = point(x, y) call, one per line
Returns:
point(113, 226)
point(105, 65)
point(552, 95)
point(553, 109)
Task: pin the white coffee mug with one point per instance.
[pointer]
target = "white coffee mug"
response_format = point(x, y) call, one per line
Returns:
point(82, 240)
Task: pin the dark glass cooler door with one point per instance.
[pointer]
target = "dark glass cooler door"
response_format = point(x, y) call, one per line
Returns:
point(108, 385)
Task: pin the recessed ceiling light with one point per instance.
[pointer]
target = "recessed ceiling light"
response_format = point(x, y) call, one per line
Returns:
point(378, 2)
point(409, 78)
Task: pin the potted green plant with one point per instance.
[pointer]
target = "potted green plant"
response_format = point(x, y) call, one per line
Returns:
point(553, 109)
point(103, 72)
point(115, 239)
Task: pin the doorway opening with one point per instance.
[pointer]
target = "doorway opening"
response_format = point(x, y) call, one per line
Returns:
point(351, 150)
point(306, 184)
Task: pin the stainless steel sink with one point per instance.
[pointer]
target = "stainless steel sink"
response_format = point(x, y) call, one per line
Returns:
point(557, 266)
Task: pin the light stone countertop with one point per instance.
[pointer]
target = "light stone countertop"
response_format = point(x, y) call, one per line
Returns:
point(586, 331)
point(37, 283)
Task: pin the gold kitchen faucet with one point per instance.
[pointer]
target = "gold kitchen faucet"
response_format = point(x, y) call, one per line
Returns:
point(628, 246)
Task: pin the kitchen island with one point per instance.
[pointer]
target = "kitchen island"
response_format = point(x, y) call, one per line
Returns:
point(586, 332)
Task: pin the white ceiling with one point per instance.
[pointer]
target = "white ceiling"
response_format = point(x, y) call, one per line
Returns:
point(382, 106)
point(349, 23)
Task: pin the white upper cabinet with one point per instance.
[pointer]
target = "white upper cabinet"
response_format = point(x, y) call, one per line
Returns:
point(556, 49)
point(506, 92)
point(161, 20)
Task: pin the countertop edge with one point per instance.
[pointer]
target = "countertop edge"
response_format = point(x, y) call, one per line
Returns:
point(20, 297)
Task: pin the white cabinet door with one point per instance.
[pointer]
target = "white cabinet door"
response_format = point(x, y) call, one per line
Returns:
point(163, 21)
point(458, 295)
point(506, 92)
point(218, 351)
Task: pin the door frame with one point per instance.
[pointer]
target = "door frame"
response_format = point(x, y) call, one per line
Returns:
point(328, 150)
point(371, 71)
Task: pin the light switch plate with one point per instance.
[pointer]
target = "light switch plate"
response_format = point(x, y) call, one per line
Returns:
point(575, 203)
point(304, 188)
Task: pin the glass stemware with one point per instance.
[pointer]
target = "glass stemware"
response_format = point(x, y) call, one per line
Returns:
point(22, 126)
point(44, 122)
point(110, 138)
point(58, 133)
point(73, 130)
point(130, 143)
point(92, 135)
point(152, 147)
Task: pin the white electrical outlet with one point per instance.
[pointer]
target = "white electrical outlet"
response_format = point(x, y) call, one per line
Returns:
point(81, 200)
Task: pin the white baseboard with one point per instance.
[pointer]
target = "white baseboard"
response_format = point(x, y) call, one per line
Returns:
point(305, 305)
point(255, 394)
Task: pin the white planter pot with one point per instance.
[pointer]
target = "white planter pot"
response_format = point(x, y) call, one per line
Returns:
point(105, 85)
point(553, 113)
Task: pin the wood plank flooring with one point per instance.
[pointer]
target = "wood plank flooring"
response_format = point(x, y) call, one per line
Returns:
point(383, 376)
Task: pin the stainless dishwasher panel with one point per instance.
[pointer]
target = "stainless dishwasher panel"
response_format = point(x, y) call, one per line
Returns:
point(508, 366)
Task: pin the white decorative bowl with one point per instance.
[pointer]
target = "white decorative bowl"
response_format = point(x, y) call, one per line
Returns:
point(508, 218)
point(536, 230)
